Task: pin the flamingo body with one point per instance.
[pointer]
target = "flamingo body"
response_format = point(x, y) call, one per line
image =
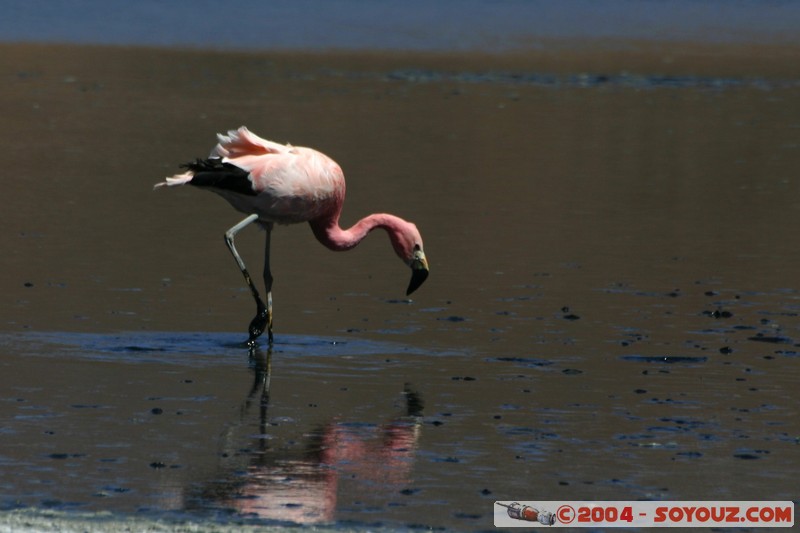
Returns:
point(274, 183)
point(280, 183)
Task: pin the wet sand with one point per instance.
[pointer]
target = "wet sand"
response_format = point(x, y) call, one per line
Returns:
point(612, 311)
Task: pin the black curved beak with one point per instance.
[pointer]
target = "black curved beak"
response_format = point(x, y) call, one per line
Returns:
point(418, 277)
point(419, 273)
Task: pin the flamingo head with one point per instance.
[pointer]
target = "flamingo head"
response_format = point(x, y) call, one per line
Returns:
point(407, 243)
point(419, 269)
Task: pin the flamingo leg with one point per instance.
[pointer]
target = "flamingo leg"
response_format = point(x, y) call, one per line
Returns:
point(263, 318)
point(268, 282)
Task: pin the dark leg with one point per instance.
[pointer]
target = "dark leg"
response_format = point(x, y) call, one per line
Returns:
point(268, 283)
point(263, 316)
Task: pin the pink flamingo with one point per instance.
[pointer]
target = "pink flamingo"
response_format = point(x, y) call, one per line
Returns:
point(284, 184)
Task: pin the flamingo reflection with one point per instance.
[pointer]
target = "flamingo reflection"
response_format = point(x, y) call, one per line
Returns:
point(301, 486)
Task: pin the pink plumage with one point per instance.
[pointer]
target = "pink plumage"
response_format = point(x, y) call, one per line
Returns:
point(284, 184)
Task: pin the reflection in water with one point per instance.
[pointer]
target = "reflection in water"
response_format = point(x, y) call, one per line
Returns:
point(300, 485)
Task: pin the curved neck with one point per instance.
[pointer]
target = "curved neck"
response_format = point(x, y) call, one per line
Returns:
point(328, 232)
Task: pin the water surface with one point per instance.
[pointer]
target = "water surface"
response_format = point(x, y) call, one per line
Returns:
point(445, 25)
point(612, 311)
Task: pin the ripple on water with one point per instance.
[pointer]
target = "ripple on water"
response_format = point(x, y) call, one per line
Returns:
point(211, 349)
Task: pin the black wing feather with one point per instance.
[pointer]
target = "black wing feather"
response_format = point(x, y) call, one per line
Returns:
point(215, 174)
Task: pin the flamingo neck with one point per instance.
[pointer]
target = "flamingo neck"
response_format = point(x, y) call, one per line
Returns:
point(330, 234)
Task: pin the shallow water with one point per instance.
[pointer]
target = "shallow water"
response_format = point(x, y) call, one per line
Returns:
point(612, 311)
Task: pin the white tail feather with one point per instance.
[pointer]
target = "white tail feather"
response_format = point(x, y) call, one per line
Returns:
point(174, 181)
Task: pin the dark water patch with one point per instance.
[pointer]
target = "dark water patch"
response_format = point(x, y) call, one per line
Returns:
point(677, 425)
point(717, 313)
point(516, 299)
point(791, 314)
point(452, 318)
point(532, 432)
point(719, 331)
point(689, 455)
point(62, 456)
point(399, 301)
point(113, 489)
point(746, 456)
point(132, 347)
point(522, 361)
point(685, 422)
point(666, 401)
point(668, 359)
point(635, 436)
point(433, 310)
point(581, 80)
point(773, 339)
point(665, 429)
point(195, 347)
point(750, 455)
point(145, 349)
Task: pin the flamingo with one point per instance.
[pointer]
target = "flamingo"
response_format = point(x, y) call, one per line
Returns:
point(273, 184)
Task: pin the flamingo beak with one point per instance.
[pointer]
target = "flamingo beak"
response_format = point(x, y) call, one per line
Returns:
point(419, 271)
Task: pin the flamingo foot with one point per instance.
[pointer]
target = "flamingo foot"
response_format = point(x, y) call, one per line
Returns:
point(262, 321)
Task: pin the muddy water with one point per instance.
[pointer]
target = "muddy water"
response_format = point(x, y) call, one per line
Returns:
point(612, 311)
